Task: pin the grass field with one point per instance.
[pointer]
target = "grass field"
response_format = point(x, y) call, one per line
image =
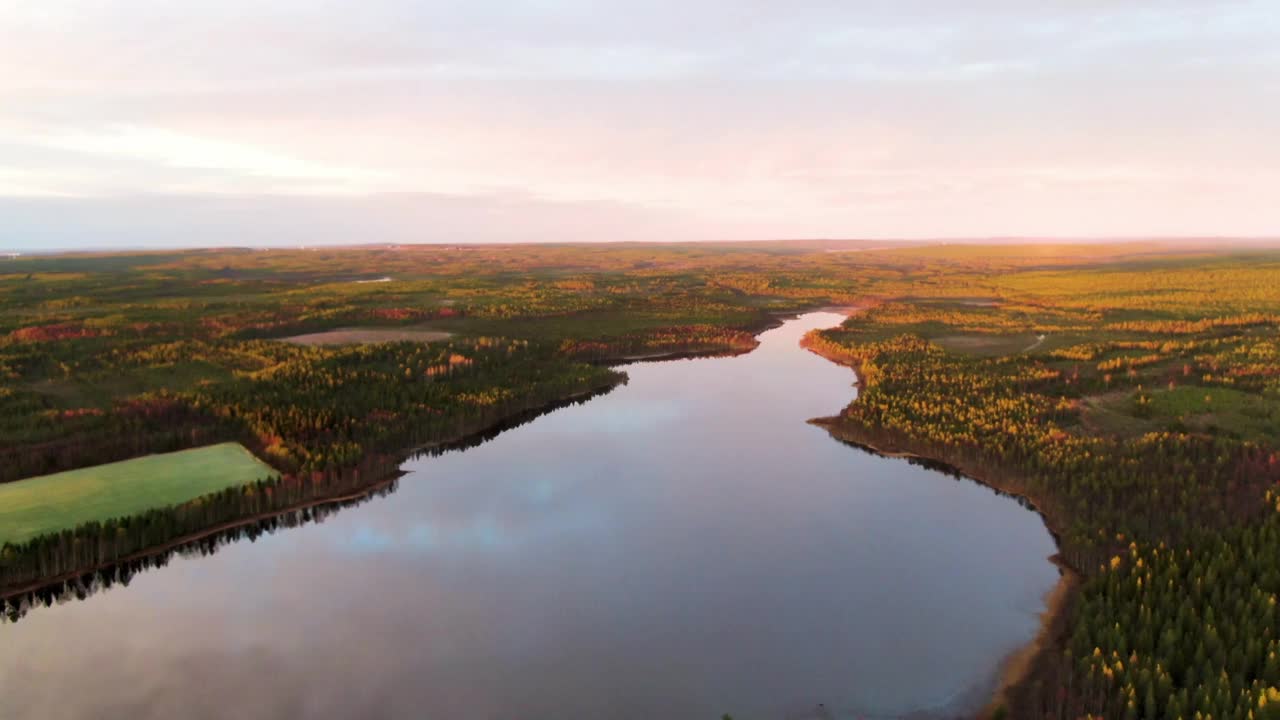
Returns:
point(49, 503)
point(987, 345)
point(1223, 409)
point(1188, 408)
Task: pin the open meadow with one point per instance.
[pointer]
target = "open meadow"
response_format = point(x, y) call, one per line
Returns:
point(64, 500)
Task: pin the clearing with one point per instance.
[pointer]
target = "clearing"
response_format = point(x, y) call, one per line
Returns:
point(344, 336)
point(51, 503)
point(987, 345)
point(1188, 408)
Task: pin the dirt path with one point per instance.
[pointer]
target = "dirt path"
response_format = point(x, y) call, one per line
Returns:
point(1039, 341)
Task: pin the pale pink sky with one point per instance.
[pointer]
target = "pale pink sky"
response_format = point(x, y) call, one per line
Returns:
point(148, 122)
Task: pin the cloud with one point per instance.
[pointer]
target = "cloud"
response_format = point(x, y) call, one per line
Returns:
point(717, 116)
point(177, 150)
point(204, 220)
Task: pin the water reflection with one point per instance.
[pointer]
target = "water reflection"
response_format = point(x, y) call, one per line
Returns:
point(682, 547)
point(82, 586)
point(69, 565)
point(943, 468)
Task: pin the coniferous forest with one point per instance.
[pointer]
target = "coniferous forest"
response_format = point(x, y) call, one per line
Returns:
point(1130, 393)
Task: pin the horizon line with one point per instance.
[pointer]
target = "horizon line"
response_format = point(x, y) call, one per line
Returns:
point(1178, 241)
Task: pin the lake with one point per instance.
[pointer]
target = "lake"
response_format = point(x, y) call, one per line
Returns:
point(682, 547)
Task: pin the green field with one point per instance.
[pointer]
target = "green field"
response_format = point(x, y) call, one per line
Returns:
point(49, 503)
point(1192, 408)
point(1250, 416)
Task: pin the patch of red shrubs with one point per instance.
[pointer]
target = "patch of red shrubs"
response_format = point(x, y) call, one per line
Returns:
point(56, 331)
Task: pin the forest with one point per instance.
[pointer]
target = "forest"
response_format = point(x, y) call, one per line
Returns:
point(1141, 419)
point(1130, 392)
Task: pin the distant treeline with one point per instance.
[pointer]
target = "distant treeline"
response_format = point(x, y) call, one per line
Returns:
point(143, 426)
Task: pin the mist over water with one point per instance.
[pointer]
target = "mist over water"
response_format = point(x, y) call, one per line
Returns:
point(682, 547)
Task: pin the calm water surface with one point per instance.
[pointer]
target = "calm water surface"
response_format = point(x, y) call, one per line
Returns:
point(683, 547)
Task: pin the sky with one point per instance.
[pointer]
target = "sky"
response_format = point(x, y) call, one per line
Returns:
point(290, 122)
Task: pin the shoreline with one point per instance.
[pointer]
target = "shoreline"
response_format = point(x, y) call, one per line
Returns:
point(1015, 671)
point(661, 356)
point(463, 440)
point(36, 586)
point(1018, 670)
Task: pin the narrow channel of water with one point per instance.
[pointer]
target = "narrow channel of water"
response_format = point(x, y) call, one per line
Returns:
point(682, 547)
